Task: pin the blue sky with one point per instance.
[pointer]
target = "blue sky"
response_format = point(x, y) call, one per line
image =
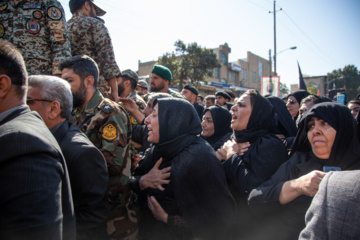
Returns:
point(325, 32)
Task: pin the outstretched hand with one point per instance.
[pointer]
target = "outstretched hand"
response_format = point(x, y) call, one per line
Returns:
point(155, 178)
point(156, 209)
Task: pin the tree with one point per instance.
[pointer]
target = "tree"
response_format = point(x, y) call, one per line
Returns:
point(347, 78)
point(283, 88)
point(189, 61)
point(312, 88)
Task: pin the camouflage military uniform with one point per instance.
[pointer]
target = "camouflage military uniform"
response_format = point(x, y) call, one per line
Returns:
point(88, 35)
point(108, 127)
point(38, 29)
point(169, 91)
point(140, 103)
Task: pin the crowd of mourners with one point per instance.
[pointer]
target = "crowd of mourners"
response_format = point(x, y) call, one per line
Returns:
point(91, 153)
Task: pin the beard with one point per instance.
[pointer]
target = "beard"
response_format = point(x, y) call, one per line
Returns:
point(79, 96)
point(121, 88)
point(157, 88)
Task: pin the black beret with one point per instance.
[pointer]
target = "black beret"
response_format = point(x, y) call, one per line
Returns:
point(230, 93)
point(224, 94)
point(192, 89)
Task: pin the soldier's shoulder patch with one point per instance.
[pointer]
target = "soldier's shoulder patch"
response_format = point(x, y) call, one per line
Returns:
point(32, 26)
point(2, 30)
point(109, 132)
point(3, 6)
point(106, 107)
point(37, 14)
point(133, 120)
point(54, 13)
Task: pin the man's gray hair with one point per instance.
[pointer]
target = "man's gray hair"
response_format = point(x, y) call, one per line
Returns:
point(54, 89)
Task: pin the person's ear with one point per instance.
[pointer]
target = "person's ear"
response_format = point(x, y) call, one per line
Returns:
point(53, 110)
point(5, 85)
point(89, 82)
point(127, 83)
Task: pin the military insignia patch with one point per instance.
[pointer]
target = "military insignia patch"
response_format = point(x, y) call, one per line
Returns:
point(37, 14)
point(33, 26)
point(133, 120)
point(109, 132)
point(54, 13)
point(2, 30)
point(3, 6)
point(106, 108)
point(31, 6)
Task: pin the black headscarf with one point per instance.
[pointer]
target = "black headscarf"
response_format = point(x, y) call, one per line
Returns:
point(222, 119)
point(197, 178)
point(345, 152)
point(299, 95)
point(262, 121)
point(286, 125)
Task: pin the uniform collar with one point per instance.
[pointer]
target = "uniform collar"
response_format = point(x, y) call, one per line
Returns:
point(94, 102)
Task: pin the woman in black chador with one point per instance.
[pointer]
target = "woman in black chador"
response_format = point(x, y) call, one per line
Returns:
point(326, 141)
point(194, 202)
point(215, 125)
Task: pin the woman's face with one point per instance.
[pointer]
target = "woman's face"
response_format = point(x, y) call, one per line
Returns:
point(152, 123)
point(321, 137)
point(147, 111)
point(241, 112)
point(292, 106)
point(207, 124)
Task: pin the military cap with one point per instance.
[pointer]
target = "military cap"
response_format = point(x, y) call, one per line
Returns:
point(130, 74)
point(162, 71)
point(143, 84)
point(192, 89)
point(76, 4)
point(230, 93)
point(224, 94)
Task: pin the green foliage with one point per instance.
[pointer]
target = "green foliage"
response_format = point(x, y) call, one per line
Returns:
point(283, 88)
point(189, 61)
point(312, 89)
point(347, 78)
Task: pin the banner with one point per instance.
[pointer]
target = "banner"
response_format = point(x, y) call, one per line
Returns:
point(270, 86)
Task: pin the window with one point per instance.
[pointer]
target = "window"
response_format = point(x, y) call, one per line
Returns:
point(223, 58)
point(234, 79)
point(230, 79)
point(260, 71)
point(243, 74)
point(253, 77)
point(216, 73)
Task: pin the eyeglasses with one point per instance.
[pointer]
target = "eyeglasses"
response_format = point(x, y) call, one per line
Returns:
point(31, 101)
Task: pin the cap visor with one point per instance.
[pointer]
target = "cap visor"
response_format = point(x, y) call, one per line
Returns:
point(99, 11)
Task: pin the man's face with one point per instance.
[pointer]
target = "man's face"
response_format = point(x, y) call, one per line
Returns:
point(157, 83)
point(209, 102)
point(198, 99)
point(78, 88)
point(35, 103)
point(220, 100)
point(188, 95)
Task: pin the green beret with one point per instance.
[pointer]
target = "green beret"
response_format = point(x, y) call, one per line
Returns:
point(162, 71)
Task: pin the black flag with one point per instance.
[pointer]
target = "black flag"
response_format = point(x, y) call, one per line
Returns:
point(302, 84)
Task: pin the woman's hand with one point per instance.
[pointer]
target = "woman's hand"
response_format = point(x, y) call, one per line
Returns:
point(305, 185)
point(221, 154)
point(156, 209)
point(128, 104)
point(155, 178)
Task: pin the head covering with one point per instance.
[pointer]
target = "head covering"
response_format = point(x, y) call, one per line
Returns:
point(222, 119)
point(76, 4)
point(224, 94)
point(299, 95)
point(345, 152)
point(286, 125)
point(231, 94)
point(143, 84)
point(262, 121)
point(162, 71)
point(130, 74)
point(192, 89)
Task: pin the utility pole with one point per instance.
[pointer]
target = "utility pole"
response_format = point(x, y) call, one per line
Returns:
point(275, 36)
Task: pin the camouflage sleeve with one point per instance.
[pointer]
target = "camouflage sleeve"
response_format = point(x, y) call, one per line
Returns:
point(59, 36)
point(115, 135)
point(106, 57)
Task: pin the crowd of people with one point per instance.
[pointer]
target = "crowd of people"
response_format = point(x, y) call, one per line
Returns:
point(91, 152)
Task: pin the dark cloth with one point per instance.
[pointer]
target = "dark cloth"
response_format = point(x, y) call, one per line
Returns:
point(228, 105)
point(197, 190)
point(264, 156)
point(89, 180)
point(222, 130)
point(299, 95)
point(140, 135)
point(334, 211)
point(199, 109)
point(286, 221)
point(36, 200)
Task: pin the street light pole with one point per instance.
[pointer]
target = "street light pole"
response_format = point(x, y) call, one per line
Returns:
point(275, 38)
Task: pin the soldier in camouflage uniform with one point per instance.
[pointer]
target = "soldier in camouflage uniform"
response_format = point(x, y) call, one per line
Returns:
point(89, 36)
point(160, 81)
point(37, 28)
point(127, 89)
point(108, 127)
